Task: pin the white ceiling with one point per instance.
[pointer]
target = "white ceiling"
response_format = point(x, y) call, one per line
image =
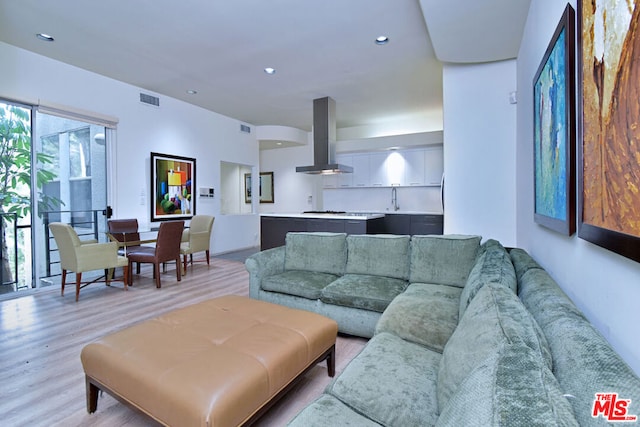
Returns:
point(318, 48)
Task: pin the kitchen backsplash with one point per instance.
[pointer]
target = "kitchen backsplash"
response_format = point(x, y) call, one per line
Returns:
point(409, 199)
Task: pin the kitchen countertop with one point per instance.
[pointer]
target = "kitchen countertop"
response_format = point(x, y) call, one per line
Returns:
point(347, 215)
point(404, 212)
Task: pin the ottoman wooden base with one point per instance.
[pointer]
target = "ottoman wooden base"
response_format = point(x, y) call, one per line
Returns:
point(221, 362)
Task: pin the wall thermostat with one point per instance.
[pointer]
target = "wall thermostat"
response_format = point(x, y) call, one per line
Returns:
point(206, 192)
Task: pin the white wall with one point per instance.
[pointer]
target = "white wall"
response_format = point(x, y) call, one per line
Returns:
point(410, 199)
point(479, 150)
point(174, 128)
point(291, 190)
point(604, 285)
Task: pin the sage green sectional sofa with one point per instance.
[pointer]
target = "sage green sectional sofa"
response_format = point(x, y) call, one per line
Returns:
point(472, 335)
point(352, 279)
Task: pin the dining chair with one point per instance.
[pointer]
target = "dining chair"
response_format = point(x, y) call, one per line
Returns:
point(167, 249)
point(196, 238)
point(124, 230)
point(81, 256)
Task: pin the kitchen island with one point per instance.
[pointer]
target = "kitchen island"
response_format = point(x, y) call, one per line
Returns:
point(275, 226)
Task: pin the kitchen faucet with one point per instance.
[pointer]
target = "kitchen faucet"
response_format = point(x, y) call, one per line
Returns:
point(394, 198)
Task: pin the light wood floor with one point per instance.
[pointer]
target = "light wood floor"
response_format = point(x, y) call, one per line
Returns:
point(41, 377)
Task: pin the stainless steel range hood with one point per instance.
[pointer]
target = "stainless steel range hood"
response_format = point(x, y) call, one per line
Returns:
point(324, 135)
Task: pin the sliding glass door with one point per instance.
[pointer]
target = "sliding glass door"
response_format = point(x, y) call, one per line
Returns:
point(73, 154)
point(15, 197)
point(52, 168)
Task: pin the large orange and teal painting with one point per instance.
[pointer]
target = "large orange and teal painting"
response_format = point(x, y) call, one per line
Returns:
point(609, 65)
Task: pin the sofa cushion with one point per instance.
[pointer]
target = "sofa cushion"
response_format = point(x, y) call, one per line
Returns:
point(522, 261)
point(493, 266)
point(495, 317)
point(363, 291)
point(378, 255)
point(512, 387)
point(446, 260)
point(425, 313)
point(583, 361)
point(305, 284)
point(320, 252)
point(392, 382)
point(329, 411)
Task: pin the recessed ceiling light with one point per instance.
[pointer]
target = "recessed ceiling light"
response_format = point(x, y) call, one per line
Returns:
point(270, 70)
point(382, 40)
point(44, 37)
point(192, 92)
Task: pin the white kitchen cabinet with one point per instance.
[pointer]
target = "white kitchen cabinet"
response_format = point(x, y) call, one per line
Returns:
point(330, 181)
point(360, 175)
point(433, 165)
point(409, 167)
point(377, 169)
point(345, 180)
point(395, 168)
point(414, 167)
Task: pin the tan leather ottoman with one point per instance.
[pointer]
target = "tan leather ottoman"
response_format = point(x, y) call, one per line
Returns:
point(221, 362)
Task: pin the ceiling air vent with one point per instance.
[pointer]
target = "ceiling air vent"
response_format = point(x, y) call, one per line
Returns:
point(149, 99)
point(245, 128)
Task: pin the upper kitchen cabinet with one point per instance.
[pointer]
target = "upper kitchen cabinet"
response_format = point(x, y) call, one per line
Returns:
point(377, 170)
point(414, 167)
point(360, 177)
point(433, 165)
point(423, 167)
point(361, 170)
point(408, 160)
point(345, 180)
point(396, 168)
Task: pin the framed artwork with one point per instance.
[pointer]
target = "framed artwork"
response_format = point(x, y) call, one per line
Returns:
point(172, 184)
point(247, 188)
point(554, 131)
point(265, 190)
point(609, 132)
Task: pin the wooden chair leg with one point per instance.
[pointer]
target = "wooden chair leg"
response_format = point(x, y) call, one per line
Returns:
point(156, 269)
point(207, 252)
point(125, 278)
point(107, 276)
point(184, 259)
point(130, 273)
point(78, 280)
point(178, 272)
point(62, 283)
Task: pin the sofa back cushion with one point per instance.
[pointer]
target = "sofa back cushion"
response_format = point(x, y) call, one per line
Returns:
point(583, 361)
point(445, 260)
point(378, 255)
point(512, 387)
point(494, 318)
point(522, 262)
point(493, 266)
point(319, 252)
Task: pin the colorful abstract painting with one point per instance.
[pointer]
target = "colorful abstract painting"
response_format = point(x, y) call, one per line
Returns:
point(554, 134)
point(172, 183)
